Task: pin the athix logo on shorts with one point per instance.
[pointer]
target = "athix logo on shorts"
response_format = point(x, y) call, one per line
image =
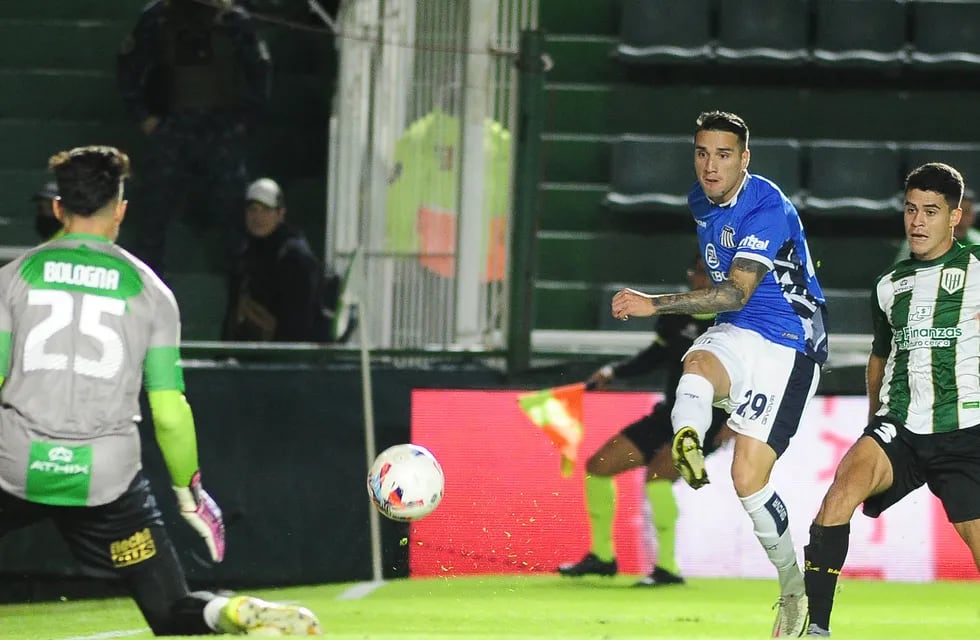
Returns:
point(754, 243)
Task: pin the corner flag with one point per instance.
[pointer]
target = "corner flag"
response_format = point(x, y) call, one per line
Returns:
point(558, 412)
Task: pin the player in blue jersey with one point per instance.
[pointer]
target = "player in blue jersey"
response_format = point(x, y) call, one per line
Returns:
point(761, 360)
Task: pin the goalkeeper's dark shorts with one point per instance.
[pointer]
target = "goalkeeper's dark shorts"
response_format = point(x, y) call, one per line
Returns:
point(653, 431)
point(108, 540)
point(948, 462)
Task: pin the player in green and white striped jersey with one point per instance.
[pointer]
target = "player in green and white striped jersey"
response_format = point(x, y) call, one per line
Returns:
point(82, 325)
point(923, 389)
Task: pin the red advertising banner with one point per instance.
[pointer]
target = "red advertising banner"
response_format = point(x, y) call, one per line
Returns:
point(507, 509)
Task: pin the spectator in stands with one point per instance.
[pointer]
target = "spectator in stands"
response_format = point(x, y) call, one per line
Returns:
point(196, 78)
point(47, 226)
point(964, 231)
point(277, 290)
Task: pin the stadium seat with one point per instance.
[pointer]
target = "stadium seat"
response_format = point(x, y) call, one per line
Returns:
point(860, 33)
point(964, 157)
point(853, 177)
point(665, 31)
point(849, 310)
point(946, 34)
point(651, 173)
point(763, 32)
point(781, 161)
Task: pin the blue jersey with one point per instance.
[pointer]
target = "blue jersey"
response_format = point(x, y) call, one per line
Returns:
point(761, 224)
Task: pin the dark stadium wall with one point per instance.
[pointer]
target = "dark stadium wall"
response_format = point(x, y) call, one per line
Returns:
point(282, 451)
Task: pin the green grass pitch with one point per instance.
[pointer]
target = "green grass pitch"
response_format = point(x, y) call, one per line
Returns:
point(481, 608)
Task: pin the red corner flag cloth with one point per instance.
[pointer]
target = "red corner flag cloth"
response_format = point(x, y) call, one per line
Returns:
point(558, 412)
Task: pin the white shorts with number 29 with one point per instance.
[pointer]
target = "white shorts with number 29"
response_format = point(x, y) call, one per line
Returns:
point(771, 384)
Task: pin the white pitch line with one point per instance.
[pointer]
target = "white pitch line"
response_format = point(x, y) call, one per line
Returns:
point(109, 634)
point(360, 590)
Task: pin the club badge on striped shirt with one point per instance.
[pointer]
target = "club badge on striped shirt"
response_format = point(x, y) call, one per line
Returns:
point(952, 280)
point(728, 237)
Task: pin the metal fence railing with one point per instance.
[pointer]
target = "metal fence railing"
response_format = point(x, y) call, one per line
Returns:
point(420, 166)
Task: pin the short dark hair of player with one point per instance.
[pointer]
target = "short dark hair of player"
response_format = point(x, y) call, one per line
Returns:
point(89, 177)
point(938, 178)
point(724, 121)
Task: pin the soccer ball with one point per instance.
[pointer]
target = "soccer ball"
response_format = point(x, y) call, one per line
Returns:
point(405, 482)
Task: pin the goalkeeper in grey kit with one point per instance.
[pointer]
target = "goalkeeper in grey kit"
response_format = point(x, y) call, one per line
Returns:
point(82, 324)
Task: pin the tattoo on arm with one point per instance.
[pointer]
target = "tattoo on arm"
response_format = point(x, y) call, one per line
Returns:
point(730, 295)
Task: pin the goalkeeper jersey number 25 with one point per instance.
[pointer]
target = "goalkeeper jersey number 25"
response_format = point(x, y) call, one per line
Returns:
point(81, 321)
point(925, 316)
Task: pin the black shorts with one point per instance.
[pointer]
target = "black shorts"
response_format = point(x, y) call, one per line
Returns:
point(653, 431)
point(107, 540)
point(948, 462)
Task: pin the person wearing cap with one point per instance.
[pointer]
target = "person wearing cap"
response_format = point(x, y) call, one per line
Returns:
point(46, 225)
point(273, 288)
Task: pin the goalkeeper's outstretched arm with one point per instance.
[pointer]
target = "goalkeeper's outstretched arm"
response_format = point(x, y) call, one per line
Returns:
point(173, 422)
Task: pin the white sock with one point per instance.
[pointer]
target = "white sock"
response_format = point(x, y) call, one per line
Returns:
point(212, 612)
point(771, 522)
point(692, 405)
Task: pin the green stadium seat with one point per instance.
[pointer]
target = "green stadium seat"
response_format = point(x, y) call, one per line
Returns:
point(77, 44)
point(35, 139)
point(780, 160)
point(126, 10)
point(61, 95)
point(665, 31)
point(849, 310)
point(202, 298)
point(965, 158)
point(569, 306)
point(946, 34)
point(763, 32)
point(848, 177)
point(651, 173)
point(860, 33)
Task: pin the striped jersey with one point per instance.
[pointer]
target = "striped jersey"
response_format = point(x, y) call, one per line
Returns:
point(81, 320)
point(761, 224)
point(926, 326)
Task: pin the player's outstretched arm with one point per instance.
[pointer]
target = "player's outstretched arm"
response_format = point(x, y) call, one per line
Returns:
point(731, 295)
point(177, 437)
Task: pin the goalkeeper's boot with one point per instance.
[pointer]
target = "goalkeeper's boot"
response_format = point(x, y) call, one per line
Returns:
point(689, 457)
point(590, 564)
point(245, 615)
point(659, 577)
point(792, 615)
point(816, 631)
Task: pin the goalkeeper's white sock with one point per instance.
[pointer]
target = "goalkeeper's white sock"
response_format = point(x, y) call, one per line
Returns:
point(692, 404)
point(771, 522)
point(212, 612)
